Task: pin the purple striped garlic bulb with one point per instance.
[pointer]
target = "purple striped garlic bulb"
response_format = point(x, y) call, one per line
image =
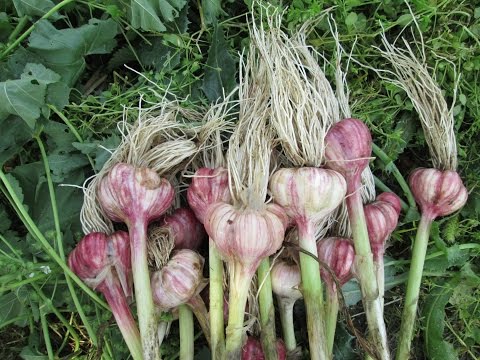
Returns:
point(381, 217)
point(348, 148)
point(103, 263)
point(186, 230)
point(292, 188)
point(179, 280)
point(208, 187)
point(97, 254)
point(128, 194)
point(339, 254)
point(246, 236)
point(437, 192)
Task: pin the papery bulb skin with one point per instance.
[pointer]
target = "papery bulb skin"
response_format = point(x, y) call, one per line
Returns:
point(90, 259)
point(120, 254)
point(348, 148)
point(179, 280)
point(391, 198)
point(130, 194)
point(307, 193)
point(246, 235)
point(339, 255)
point(208, 186)
point(252, 350)
point(286, 279)
point(103, 263)
point(187, 231)
point(95, 256)
point(382, 219)
point(438, 193)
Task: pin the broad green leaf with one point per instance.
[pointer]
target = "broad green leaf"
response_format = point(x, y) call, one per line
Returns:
point(25, 97)
point(34, 8)
point(434, 319)
point(342, 347)
point(14, 183)
point(212, 9)
point(4, 220)
point(22, 97)
point(62, 165)
point(32, 354)
point(5, 27)
point(15, 133)
point(159, 56)
point(26, 178)
point(10, 308)
point(151, 15)
point(31, 180)
point(121, 57)
point(59, 138)
point(220, 69)
point(97, 150)
point(351, 19)
point(64, 50)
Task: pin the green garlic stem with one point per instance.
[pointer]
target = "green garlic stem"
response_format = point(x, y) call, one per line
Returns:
point(331, 314)
point(185, 319)
point(380, 274)
point(143, 290)
point(312, 291)
point(413, 287)
point(365, 271)
point(240, 280)
point(217, 334)
point(200, 311)
point(267, 311)
point(285, 306)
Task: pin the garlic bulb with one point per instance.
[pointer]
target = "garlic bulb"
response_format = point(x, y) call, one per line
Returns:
point(339, 255)
point(382, 218)
point(103, 263)
point(186, 230)
point(438, 193)
point(307, 193)
point(127, 193)
point(247, 235)
point(348, 147)
point(286, 280)
point(179, 280)
point(208, 187)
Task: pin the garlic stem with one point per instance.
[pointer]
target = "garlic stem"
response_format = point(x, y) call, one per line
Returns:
point(331, 314)
point(240, 279)
point(115, 297)
point(413, 287)
point(365, 271)
point(143, 290)
point(185, 319)
point(380, 275)
point(312, 291)
point(200, 311)
point(286, 318)
point(217, 335)
point(268, 335)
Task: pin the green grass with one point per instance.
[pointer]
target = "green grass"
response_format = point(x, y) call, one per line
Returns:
point(44, 311)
